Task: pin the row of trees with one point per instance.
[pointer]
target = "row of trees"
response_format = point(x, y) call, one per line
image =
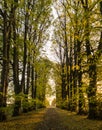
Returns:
point(23, 31)
point(78, 39)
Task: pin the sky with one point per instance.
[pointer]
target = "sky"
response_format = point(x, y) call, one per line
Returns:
point(48, 49)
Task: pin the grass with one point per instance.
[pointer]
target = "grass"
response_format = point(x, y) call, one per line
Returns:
point(26, 121)
point(72, 121)
point(69, 120)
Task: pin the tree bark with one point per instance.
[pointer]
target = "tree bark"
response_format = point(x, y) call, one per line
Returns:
point(5, 64)
point(92, 71)
point(25, 50)
point(17, 88)
point(70, 74)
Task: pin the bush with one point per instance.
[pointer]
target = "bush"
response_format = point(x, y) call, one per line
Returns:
point(62, 104)
point(39, 104)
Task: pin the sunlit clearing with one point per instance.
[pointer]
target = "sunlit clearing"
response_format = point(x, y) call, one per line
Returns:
point(51, 94)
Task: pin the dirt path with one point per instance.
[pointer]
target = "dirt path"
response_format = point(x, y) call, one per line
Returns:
point(50, 119)
point(57, 119)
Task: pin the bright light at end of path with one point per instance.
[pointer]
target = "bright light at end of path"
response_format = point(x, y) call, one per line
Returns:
point(51, 97)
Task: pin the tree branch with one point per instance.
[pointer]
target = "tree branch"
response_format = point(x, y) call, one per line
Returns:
point(1, 13)
point(94, 4)
point(83, 4)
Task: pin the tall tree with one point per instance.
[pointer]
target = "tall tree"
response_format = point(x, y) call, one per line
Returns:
point(5, 57)
point(91, 60)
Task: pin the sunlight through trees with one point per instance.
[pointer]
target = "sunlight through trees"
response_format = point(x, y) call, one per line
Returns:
point(70, 76)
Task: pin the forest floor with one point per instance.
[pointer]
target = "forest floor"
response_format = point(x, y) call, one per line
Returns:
point(50, 119)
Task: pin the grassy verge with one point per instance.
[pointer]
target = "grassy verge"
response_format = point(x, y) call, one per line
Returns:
point(26, 121)
point(77, 122)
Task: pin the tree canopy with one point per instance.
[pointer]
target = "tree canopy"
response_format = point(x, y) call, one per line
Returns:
point(74, 29)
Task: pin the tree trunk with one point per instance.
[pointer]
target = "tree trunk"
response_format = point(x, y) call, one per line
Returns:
point(63, 75)
point(91, 61)
point(63, 84)
point(75, 74)
point(80, 92)
point(5, 66)
point(34, 85)
point(26, 108)
point(92, 91)
point(25, 53)
point(66, 55)
point(17, 88)
point(70, 75)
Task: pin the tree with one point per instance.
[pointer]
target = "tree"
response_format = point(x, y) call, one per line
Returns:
point(25, 26)
point(83, 50)
point(6, 30)
point(43, 69)
point(91, 60)
point(60, 52)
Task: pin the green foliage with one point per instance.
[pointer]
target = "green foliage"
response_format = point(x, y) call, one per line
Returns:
point(77, 25)
point(7, 110)
point(43, 71)
point(62, 104)
point(46, 103)
point(39, 104)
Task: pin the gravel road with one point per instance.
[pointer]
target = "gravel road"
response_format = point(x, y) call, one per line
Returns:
point(51, 121)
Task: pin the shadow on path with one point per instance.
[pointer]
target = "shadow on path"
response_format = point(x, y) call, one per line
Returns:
point(51, 121)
